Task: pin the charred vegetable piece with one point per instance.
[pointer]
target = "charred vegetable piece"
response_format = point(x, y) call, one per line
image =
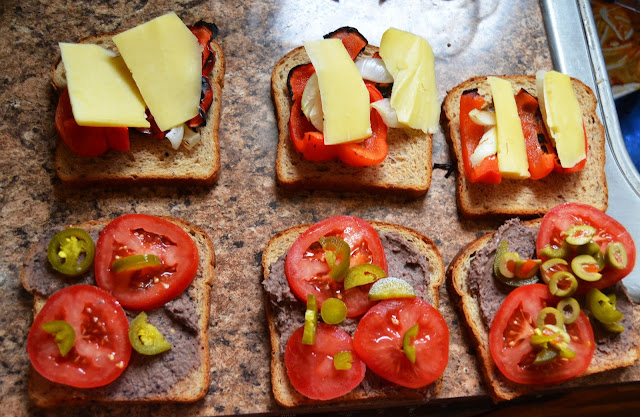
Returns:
point(362, 274)
point(135, 262)
point(602, 307)
point(145, 338)
point(310, 321)
point(352, 40)
point(297, 80)
point(206, 98)
point(585, 267)
point(550, 267)
point(563, 284)
point(616, 256)
point(153, 130)
point(71, 251)
point(391, 287)
point(569, 308)
point(342, 361)
point(205, 32)
point(333, 311)
point(64, 334)
point(337, 254)
point(408, 347)
point(580, 234)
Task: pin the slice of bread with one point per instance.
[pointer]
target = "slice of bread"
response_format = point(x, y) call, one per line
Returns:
point(373, 390)
point(529, 198)
point(141, 381)
point(148, 160)
point(468, 305)
point(407, 168)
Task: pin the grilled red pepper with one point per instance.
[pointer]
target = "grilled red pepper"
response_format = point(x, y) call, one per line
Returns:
point(540, 152)
point(352, 40)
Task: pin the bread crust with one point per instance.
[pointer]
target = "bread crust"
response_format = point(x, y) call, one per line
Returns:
point(407, 168)
point(191, 388)
point(149, 161)
point(498, 387)
point(528, 198)
point(283, 391)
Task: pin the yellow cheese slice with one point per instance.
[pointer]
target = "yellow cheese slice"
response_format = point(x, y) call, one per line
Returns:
point(345, 99)
point(512, 152)
point(166, 62)
point(562, 115)
point(409, 59)
point(101, 89)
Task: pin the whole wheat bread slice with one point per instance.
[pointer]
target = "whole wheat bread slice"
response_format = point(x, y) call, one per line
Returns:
point(283, 391)
point(468, 305)
point(528, 198)
point(407, 168)
point(148, 160)
point(195, 381)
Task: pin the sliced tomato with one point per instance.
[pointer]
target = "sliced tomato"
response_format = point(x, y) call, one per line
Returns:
point(510, 335)
point(101, 349)
point(562, 217)
point(577, 167)
point(379, 340)
point(311, 369)
point(150, 287)
point(308, 272)
point(352, 40)
point(539, 154)
point(87, 141)
point(470, 134)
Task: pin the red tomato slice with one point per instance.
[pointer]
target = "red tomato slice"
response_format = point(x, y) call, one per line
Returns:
point(310, 367)
point(511, 331)
point(101, 350)
point(151, 287)
point(470, 134)
point(87, 140)
point(308, 272)
point(541, 161)
point(562, 217)
point(378, 341)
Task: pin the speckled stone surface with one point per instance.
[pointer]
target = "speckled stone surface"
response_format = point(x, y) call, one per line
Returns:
point(245, 207)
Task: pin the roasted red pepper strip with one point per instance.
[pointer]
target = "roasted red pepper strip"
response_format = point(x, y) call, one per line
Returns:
point(470, 134)
point(297, 80)
point(298, 126)
point(577, 167)
point(206, 98)
point(352, 40)
point(540, 156)
point(205, 32)
point(315, 149)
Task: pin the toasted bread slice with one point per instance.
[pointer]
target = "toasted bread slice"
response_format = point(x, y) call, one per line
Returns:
point(184, 324)
point(373, 389)
point(529, 198)
point(407, 168)
point(469, 308)
point(148, 160)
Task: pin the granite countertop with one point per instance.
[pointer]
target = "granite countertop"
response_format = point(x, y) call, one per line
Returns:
point(246, 206)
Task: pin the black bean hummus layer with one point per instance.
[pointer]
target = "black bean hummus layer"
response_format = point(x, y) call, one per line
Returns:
point(288, 312)
point(145, 375)
point(490, 292)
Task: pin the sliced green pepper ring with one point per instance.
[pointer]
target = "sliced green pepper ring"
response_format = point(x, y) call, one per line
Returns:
point(71, 251)
point(145, 338)
point(507, 265)
point(580, 234)
point(544, 356)
point(333, 311)
point(334, 249)
point(342, 360)
point(550, 267)
point(64, 334)
point(556, 252)
point(591, 248)
point(586, 267)
point(563, 284)
point(135, 262)
point(569, 308)
point(616, 255)
point(391, 287)
point(408, 347)
point(310, 321)
point(602, 308)
point(549, 315)
point(362, 274)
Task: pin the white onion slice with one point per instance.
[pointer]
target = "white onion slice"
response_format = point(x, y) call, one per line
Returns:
point(487, 146)
point(175, 136)
point(312, 103)
point(373, 69)
point(483, 117)
point(191, 138)
point(388, 113)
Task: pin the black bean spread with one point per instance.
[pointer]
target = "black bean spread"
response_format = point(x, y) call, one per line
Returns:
point(145, 375)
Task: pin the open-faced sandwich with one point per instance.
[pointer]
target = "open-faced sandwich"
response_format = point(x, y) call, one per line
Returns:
point(123, 320)
point(141, 105)
point(352, 313)
point(337, 130)
point(525, 144)
point(543, 302)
